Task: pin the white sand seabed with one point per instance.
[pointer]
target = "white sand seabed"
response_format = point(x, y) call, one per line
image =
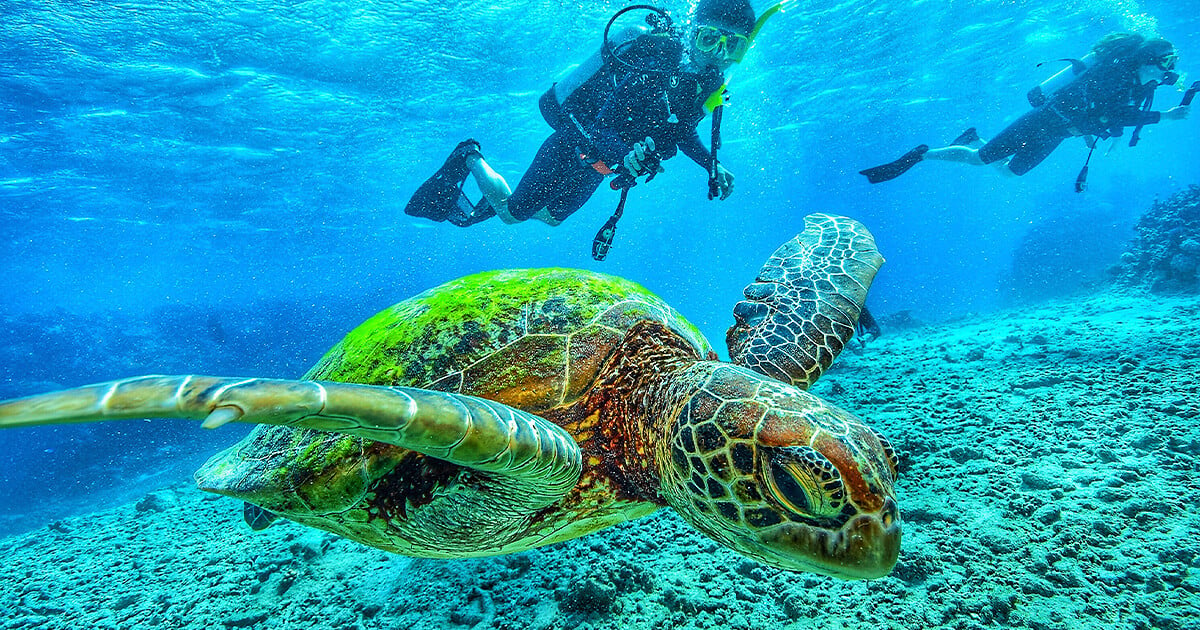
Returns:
point(1050, 477)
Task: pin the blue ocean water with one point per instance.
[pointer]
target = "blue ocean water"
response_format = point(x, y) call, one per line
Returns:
point(219, 186)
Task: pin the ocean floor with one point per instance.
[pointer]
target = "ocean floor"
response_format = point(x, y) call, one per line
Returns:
point(1050, 478)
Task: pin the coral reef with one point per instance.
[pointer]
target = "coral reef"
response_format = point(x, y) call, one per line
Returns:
point(900, 320)
point(1165, 255)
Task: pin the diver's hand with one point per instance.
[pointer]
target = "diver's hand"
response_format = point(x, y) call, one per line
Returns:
point(1176, 113)
point(724, 182)
point(642, 160)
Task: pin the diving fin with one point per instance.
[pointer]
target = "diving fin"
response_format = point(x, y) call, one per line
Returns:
point(892, 170)
point(966, 138)
point(442, 194)
point(465, 215)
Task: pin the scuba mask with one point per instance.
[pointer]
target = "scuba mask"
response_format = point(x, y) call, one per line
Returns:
point(732, 45)
point(1166, 63)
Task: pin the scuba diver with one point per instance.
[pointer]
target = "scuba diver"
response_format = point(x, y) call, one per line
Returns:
point(631, 106)
point(1096, 98)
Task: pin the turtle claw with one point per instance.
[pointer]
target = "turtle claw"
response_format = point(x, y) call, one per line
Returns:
point(750, 314)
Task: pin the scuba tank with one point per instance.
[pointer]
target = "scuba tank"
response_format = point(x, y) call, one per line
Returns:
point(553, 103)
point(591, 75)
point(1042, 91)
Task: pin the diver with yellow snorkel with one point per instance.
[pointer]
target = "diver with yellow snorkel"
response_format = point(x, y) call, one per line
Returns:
point(628, 108)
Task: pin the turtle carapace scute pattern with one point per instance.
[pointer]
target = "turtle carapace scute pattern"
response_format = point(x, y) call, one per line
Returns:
point(513, 409)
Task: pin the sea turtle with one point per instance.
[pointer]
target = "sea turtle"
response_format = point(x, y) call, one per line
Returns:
point(513, 409)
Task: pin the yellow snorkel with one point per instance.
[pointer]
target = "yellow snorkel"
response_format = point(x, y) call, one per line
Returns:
point(715, 104)
point(717, 99)
point(762, 19)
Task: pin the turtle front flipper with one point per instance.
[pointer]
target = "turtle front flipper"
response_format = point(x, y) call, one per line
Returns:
point(801, 310)
point(539, 460)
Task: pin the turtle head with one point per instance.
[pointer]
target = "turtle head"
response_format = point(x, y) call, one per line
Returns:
point(783, 477)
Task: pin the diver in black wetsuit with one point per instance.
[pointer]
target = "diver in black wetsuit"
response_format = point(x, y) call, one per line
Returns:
point(1110, 89)
point(620, 117)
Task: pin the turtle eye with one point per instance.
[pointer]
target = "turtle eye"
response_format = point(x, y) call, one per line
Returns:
point(805, 482)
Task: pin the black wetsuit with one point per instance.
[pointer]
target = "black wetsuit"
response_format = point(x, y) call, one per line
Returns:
point(1101, 102)
point(597, 125)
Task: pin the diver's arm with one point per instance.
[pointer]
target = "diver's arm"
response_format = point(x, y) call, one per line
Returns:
point(691, 146)
point(1131, 116)
point(1176, 113)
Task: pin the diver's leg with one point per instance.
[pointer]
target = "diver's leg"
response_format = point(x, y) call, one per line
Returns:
point(1025, 143)
point(493, 186)
point(544, 216)
point(1034, 152)
point(1035, 146)
point(975, 142)
point(551, 176)
point(968, 155)
point(964, 149)
point(577, 190)
point(1005, 167)
point(955, 153)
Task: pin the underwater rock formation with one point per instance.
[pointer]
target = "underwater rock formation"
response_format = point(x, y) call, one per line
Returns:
point(1165, 255)
point(900, 320)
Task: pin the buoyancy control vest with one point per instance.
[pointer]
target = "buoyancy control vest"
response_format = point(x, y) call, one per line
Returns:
point(646, 94)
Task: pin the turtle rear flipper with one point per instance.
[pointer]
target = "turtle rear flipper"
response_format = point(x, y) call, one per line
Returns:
point(535, 461)
point(257, 518)
point(802, 309)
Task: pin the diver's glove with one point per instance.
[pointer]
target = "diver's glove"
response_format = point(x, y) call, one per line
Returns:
point(724, 182)
point(642, 160)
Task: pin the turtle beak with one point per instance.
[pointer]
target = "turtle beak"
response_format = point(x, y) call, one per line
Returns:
point(865, 547)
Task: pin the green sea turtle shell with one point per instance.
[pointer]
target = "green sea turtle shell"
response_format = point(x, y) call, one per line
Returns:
point(533, 339)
